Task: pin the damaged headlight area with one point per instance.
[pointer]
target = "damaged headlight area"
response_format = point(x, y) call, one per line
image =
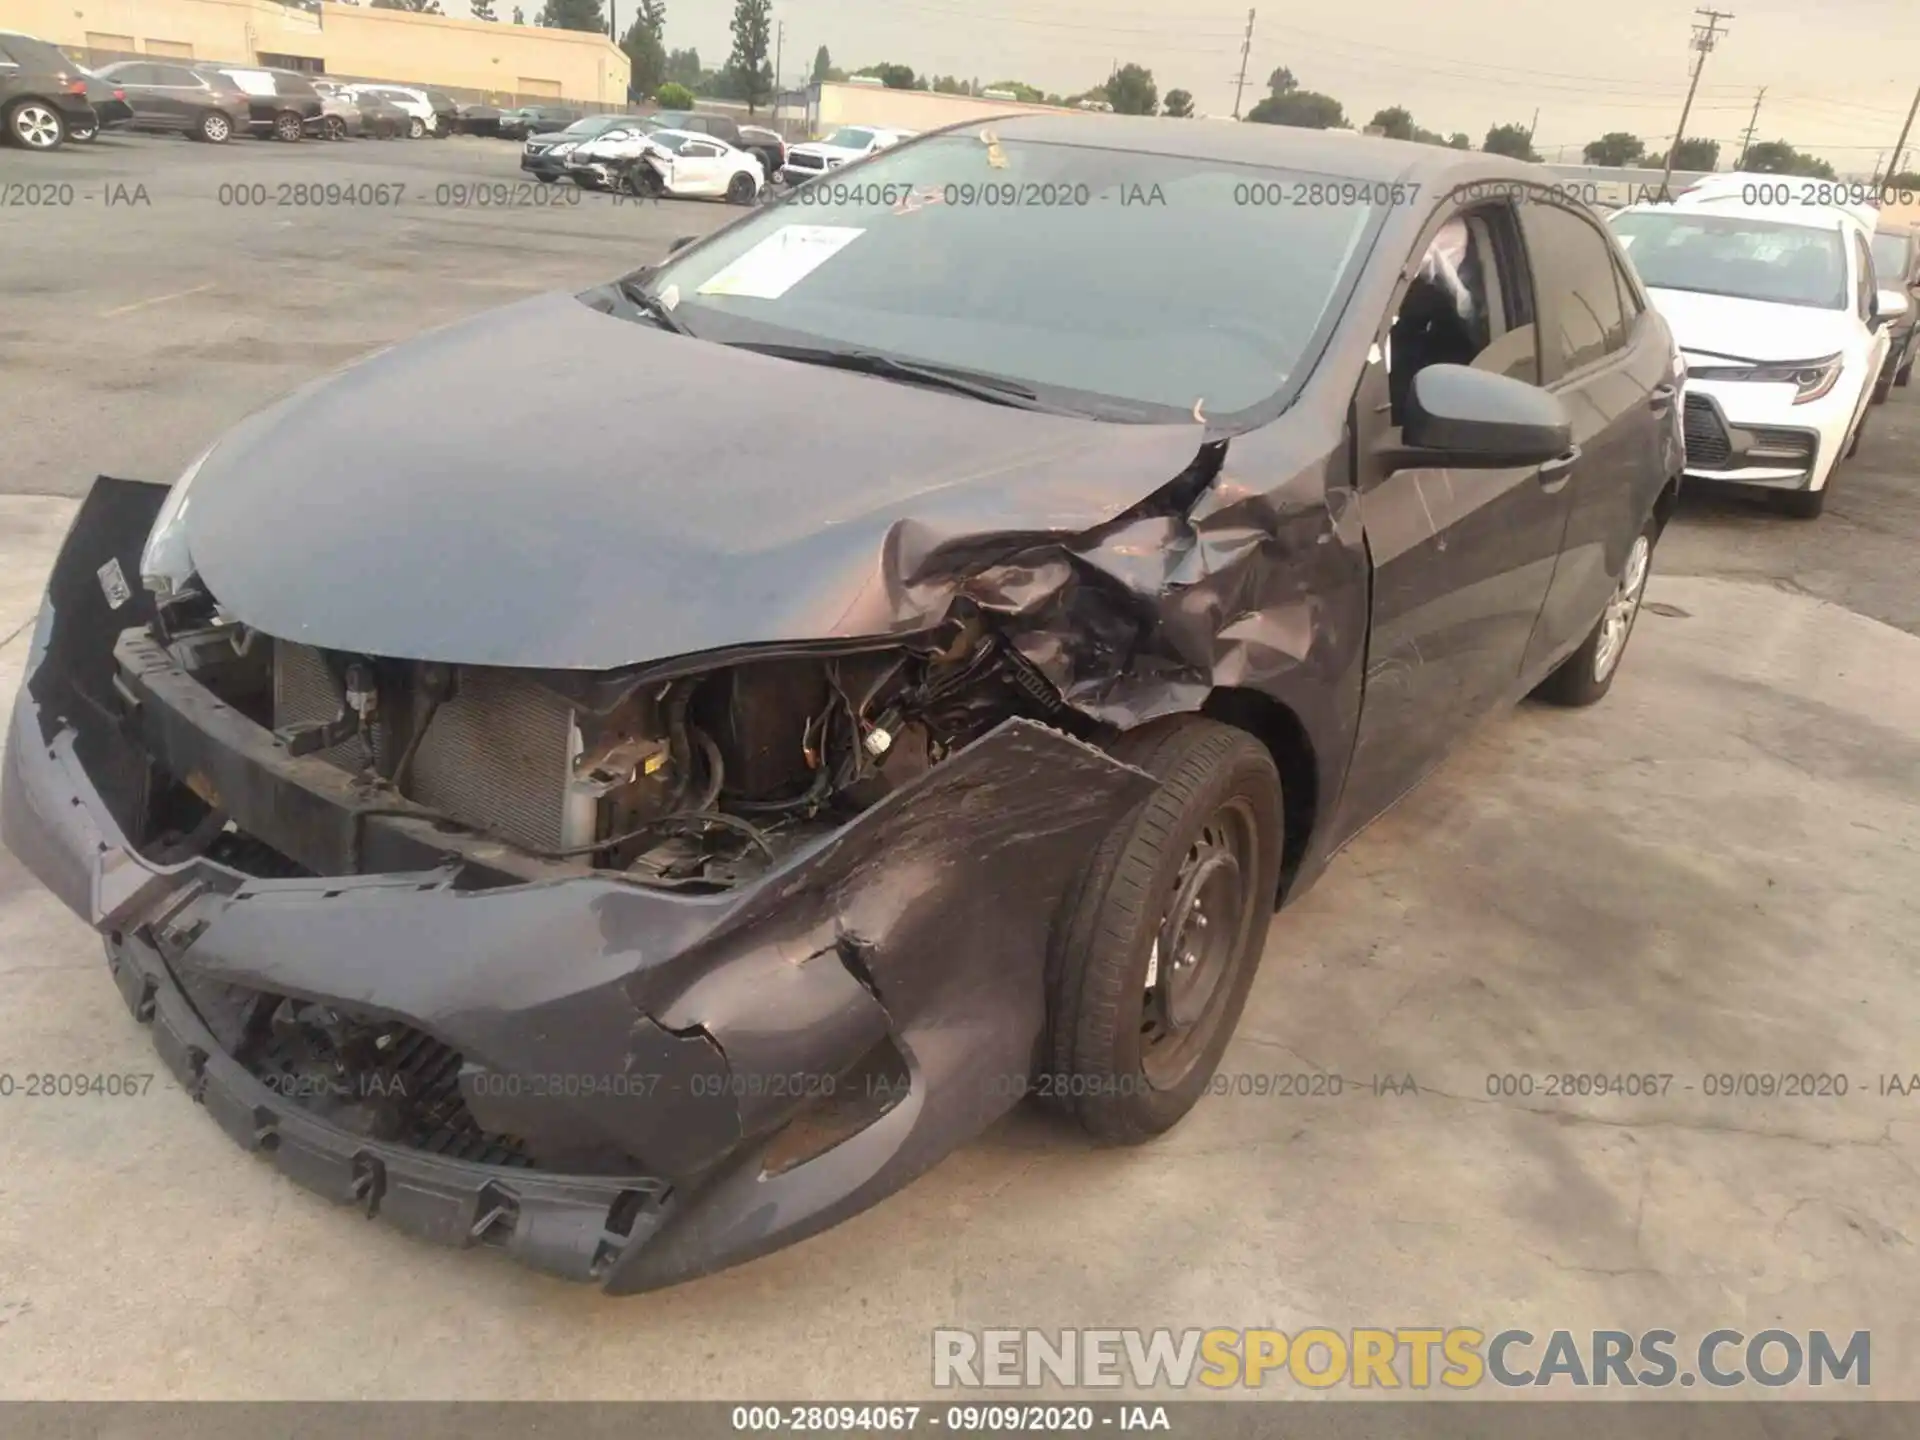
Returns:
point(696, 781)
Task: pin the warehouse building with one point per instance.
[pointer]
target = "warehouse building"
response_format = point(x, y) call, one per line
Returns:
point(502, 63)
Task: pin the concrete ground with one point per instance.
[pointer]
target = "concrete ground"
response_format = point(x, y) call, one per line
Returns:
point(1710, 874)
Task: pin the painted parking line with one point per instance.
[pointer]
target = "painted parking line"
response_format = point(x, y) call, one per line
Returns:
point(154, 300)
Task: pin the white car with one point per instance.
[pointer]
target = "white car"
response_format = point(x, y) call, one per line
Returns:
point(414, 102)
point(814, 158)
point(678, 163)
point(1781, 329)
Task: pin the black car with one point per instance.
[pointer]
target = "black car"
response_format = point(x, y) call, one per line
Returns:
point(767, 146)
point(544, 156)
point(446, 114)
point(480, 119)
point(166, 96)
point(638, 868)
point(1896, 264)
point(43, 94)
point(534, 120)
point(280, 103)
point(110, 108)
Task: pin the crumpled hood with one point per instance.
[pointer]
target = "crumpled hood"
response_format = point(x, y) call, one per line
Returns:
point(553, 487)
point(1752, 329)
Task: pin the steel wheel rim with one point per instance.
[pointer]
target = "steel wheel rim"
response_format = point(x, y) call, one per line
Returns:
point(216, 128)
point(37, 127)
point(1194, 951)
point(1617, 623)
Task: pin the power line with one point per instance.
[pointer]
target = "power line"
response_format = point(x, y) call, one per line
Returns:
point(1704, 37)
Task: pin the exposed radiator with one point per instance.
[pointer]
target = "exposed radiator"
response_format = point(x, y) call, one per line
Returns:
point(498, 755)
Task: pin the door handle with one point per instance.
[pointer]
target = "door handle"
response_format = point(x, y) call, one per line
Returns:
point(1554, 475)
point(1660, 398)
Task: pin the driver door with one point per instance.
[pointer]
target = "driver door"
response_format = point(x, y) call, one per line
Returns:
point(1462, 558)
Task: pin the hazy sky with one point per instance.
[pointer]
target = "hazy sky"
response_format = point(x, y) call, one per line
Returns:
point(1839, 74)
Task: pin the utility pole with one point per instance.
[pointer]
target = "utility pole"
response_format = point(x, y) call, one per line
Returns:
point(779, 49)
point(1893, 162)
point(1753, 128)
point(1533, 127)
point(1704, 37)
point(1246, 49)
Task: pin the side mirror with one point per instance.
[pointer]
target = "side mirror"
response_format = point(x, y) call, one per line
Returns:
point(1890, 305)
point(681, 243)
point(1474, 419)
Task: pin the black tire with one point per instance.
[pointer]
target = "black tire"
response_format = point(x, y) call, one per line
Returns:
point(1115, 1058)
point(1585, 676)
point(416, 127)
point(741, 190)
point(36, 125)
point(1806, 504)
point(1903, 374)
point(333, 128)
point(81, 134)
point(1882, 388)
point(214, 128)
point(288, 127)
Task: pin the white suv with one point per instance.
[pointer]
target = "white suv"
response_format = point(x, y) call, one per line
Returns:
point(1781, 326)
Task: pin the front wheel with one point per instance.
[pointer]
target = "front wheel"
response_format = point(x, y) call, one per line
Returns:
point(1586, 675)
point(415, 128)
point(35, 125)
point(1161, 934)
point(741, 189)
point(214, 127)
point(334, 128)
point(287, 126)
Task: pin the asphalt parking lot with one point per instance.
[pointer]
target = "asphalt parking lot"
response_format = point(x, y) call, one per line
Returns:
point(1710, 875)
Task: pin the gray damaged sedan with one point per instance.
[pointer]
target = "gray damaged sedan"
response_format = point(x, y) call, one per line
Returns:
point(639, 850)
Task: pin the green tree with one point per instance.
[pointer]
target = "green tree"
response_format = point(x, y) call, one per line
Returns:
point(1394, 123)
point(1026, 94)
point(1902, 180)
point(1131, 91)
point(950, 85)
point(674, 96)
point(1777, 157)
point(1179, 104)
point(1510, 140)
point(1281, 81)
point(573, 15)
point(412, 7)
point(1459, 140)
point(822, 64)
point(653, 14)
point(483, 10)
point(1306, 109)
point(1615, 148)
point(683, 67)
point(894, 77)
point(519, 16)
point(646, 55)
point(1691, 154)
point(747, 65)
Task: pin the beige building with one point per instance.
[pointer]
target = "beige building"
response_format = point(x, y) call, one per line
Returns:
point(503, 62)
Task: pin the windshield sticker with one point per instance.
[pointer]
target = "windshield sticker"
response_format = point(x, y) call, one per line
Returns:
point(781, 261)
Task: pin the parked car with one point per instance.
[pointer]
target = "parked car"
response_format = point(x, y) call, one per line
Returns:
point(535, 120)
point(165, 96)
point(749, 806)
point(1783, 332)
point(764, 145)
point(480, 119)
point(544, 156)
point(110, 108)
point(1896, 261)
point(423, 121)
point(280, 103)
point(811, 160)
point(446, 113)
point(43, 94)
point(677, 163)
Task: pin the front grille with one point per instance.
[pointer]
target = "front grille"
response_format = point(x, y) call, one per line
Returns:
point(497, 755)
point(1708, 447)
point(805, 162)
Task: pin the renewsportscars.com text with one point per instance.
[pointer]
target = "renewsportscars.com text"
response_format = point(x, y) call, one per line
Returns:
point(1399, 1357)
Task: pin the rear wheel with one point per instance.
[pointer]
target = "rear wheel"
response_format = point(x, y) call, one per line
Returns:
point(1162, 932)
point(741, 189)
point(1904, 373)
point(36, 125)
point(334, 128)
point(416, 128)
point(287, 126)
point(1585, 676)
point(214, 127)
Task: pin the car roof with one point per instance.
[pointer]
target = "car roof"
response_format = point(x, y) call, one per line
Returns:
point(692, 135)
point(1332, 152)
point(1806, 217)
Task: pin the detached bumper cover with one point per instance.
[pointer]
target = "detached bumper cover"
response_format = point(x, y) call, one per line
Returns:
point(703, 1032)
